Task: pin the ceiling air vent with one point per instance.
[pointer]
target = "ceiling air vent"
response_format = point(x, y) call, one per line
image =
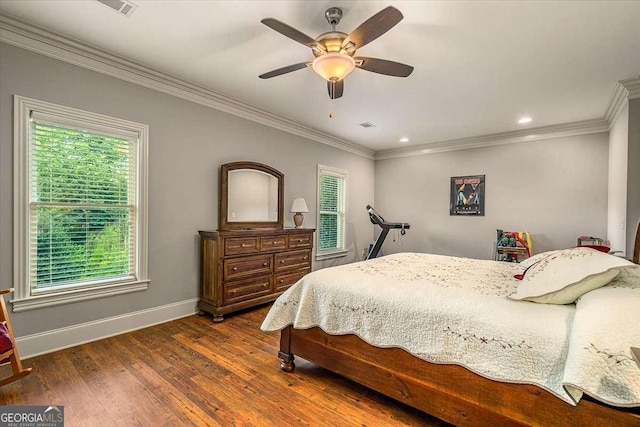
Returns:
point(123, 7)
point(367, 125)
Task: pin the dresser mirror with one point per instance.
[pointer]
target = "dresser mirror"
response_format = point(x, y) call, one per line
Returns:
point(251, 196)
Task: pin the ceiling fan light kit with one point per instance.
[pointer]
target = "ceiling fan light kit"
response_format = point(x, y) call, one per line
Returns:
point(333, 66)
point(334, 51)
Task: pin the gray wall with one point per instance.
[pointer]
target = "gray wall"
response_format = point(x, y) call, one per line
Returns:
point(633, 175)
point(555, 188)
point(188, 143)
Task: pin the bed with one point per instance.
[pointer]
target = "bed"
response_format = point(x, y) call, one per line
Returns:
point(453, 337)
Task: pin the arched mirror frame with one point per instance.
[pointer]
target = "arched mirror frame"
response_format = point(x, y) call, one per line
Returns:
point(224, 223)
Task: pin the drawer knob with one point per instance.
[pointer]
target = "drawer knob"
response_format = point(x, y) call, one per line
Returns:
point(305, 258)
point(264, 285)
point(281, 281)
point(244, 245)
point(265, 264)
point(233, 292)
point(274, 243)
point(235, 268)
point(299, 240)
point(281, 261)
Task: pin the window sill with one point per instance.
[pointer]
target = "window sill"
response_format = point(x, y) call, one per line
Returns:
point(76, 295)
point(333, 254)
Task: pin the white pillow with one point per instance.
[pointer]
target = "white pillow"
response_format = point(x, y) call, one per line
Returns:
point(535, 258)
point(562, 277)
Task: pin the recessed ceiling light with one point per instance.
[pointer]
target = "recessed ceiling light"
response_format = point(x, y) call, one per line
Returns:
point(405, 139)
point(524, 120)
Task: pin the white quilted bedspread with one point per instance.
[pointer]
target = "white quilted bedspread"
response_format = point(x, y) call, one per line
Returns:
point(455, 310)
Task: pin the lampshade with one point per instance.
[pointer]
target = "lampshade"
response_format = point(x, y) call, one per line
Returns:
point(299, 205)
point(333, 66)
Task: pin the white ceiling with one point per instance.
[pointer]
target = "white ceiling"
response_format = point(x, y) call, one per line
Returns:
point(479, 66)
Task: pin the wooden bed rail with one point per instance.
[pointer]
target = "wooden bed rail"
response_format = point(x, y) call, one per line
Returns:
point(449, 392)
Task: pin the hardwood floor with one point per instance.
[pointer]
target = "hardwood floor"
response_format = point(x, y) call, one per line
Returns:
point(192, 371)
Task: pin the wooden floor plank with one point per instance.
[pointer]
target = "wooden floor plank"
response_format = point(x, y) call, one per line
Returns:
point(101, 419)
point(70, 384)
point(195, 372)
point(145, 407)
point(173, 399)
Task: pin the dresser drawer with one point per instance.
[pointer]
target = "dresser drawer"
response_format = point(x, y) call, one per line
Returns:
point(283, 281)
point(241, 245)
point(238, 268)
point(293, 259)
point(300, 241)
point(273, 243)
point(246, 289)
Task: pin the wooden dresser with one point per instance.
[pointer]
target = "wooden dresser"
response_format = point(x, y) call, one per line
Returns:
point(245, 268)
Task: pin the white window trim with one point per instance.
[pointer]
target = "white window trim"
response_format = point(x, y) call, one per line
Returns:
point(22, 108)
point(338, 173)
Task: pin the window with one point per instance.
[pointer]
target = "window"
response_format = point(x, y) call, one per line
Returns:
point(332, 184)
point(80, 205)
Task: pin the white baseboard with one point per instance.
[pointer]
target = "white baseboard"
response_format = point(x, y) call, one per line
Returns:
point(58, 339)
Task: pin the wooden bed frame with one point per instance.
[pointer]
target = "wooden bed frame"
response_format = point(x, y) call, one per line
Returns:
point(449, 392)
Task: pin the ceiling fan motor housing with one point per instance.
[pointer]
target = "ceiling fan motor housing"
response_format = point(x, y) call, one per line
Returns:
point(332, 42)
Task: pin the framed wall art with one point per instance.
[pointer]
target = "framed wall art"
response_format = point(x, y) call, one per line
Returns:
point(467, 195)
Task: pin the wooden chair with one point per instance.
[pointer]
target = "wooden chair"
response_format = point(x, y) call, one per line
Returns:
point(636, 248)
point(9, 355)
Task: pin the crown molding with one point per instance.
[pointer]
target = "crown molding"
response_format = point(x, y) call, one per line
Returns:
point(625, 90)
point(524, 135)
point(632, 86)
point(616, 104)
point(36, 39)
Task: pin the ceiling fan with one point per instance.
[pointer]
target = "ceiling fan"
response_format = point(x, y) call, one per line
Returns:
point(334, 50)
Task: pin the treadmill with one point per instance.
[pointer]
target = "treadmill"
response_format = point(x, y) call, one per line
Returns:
point(377, 219)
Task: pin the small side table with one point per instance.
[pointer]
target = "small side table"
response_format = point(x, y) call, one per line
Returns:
point(635, 353)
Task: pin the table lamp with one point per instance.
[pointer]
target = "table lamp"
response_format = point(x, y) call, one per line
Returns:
point(298, 207)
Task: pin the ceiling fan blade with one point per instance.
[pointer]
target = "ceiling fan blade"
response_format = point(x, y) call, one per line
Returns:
point(382, 66)
point(284, 70)
point(335, 89)
point(290, 32)
point(374, 27)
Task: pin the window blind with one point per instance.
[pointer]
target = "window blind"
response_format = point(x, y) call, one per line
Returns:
point(331, 226)
point(82, 197)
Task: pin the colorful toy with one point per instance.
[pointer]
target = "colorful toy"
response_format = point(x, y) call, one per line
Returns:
point(505, 240)
point(518, 240)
